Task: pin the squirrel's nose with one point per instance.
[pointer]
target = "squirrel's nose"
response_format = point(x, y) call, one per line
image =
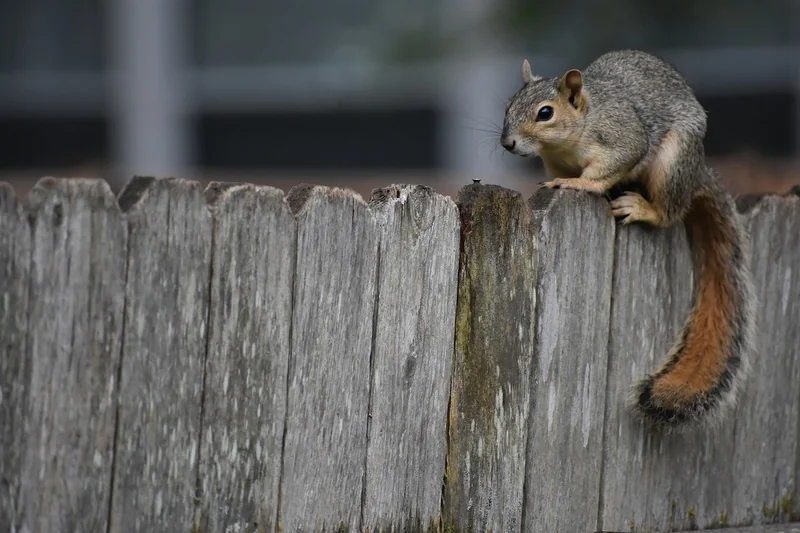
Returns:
point(508, 143)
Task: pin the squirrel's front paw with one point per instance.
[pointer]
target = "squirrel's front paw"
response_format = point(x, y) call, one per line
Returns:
point(578, 184)
point(634, 208)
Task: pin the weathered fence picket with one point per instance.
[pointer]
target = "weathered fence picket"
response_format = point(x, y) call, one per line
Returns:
point(491, 386)
point(325, 448)
point(163, 352)
point(651, 291)
point(74, 329)
point(75, 304)
point(411, 357)
point(244, 361)
point(15, 262)
point(767, 431)
point(573, 304)
point(244, 403)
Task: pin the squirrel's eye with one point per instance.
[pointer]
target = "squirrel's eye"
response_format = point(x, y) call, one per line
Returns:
point(544, 114)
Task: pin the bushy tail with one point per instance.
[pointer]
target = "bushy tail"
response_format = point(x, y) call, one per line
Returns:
point(707, 364)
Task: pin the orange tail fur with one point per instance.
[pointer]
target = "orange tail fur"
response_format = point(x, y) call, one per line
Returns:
point(707, 364)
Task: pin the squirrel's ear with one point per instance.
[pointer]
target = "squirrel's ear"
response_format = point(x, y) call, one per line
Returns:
point(527, 76)
point(571, 86)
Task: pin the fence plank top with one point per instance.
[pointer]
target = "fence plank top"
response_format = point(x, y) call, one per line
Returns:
point(164, 346)
point(651, 300)
point(411, 358)
point(325, 447)
point(573, 304)
point(248, 357)
point(768, 414)
point(490, 398)
point(15, 367)
point(75, 328)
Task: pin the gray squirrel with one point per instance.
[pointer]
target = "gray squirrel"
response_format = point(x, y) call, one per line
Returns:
point(631, 117)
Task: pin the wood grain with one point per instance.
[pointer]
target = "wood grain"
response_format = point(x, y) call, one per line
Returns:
point(325, 443)
point(15, 367)
point(73, 349)
point(245, 362)
point(767, 432)
point(164, 349)
point(652, 291)
point(658, 481)
point(248, 357)
point(783, 528)
point(412, 355)
point(494, 343)
point(573, 303)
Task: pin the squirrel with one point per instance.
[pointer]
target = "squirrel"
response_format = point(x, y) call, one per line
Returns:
point(631, 117)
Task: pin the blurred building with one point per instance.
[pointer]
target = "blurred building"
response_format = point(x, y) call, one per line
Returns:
point(355, 92)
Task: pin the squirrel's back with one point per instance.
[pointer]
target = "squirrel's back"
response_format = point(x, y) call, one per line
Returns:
point(659, 93)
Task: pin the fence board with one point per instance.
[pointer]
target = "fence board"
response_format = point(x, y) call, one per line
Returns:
point(412, 355)
point(317, 400)
point(163, 351)
point(652, 291)
point(573, 301)
point(329, 367)
point(766, 437)
point(248, 356)
point(783, 528)
point(15, 368)
point(74, 330)
point(684, 480)
point(491, 386)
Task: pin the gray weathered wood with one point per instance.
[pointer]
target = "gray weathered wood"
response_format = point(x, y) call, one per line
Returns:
point(164, 348)
point(573, 301)
point(15, 368)
point(73, 347)
point(346, 367)
point(412, 355)
point(657, 481)
point(494, 342)
point(652, 291)
point(782, 528)
point(795, 513)
point(248, 357)
point(766, 437)
point(329, 367)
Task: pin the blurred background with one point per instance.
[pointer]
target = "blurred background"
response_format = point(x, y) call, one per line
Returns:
point(363, 93)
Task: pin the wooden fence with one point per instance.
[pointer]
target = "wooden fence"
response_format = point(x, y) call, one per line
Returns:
point(233, 360)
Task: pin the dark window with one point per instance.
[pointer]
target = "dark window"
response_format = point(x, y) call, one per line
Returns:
point(324, 140)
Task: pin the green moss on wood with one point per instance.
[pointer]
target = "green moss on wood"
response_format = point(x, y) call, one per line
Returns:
point(721, 522)
point(786, 504)
point(769, 512)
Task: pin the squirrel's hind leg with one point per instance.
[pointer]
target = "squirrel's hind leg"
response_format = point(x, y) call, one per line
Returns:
point(670, 177)
point(633, 207)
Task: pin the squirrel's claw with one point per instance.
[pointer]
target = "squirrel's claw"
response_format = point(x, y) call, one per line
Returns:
point(555, 184)
point(566, 183)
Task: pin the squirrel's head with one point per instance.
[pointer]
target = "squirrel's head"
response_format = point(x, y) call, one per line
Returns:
point(545, 114)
